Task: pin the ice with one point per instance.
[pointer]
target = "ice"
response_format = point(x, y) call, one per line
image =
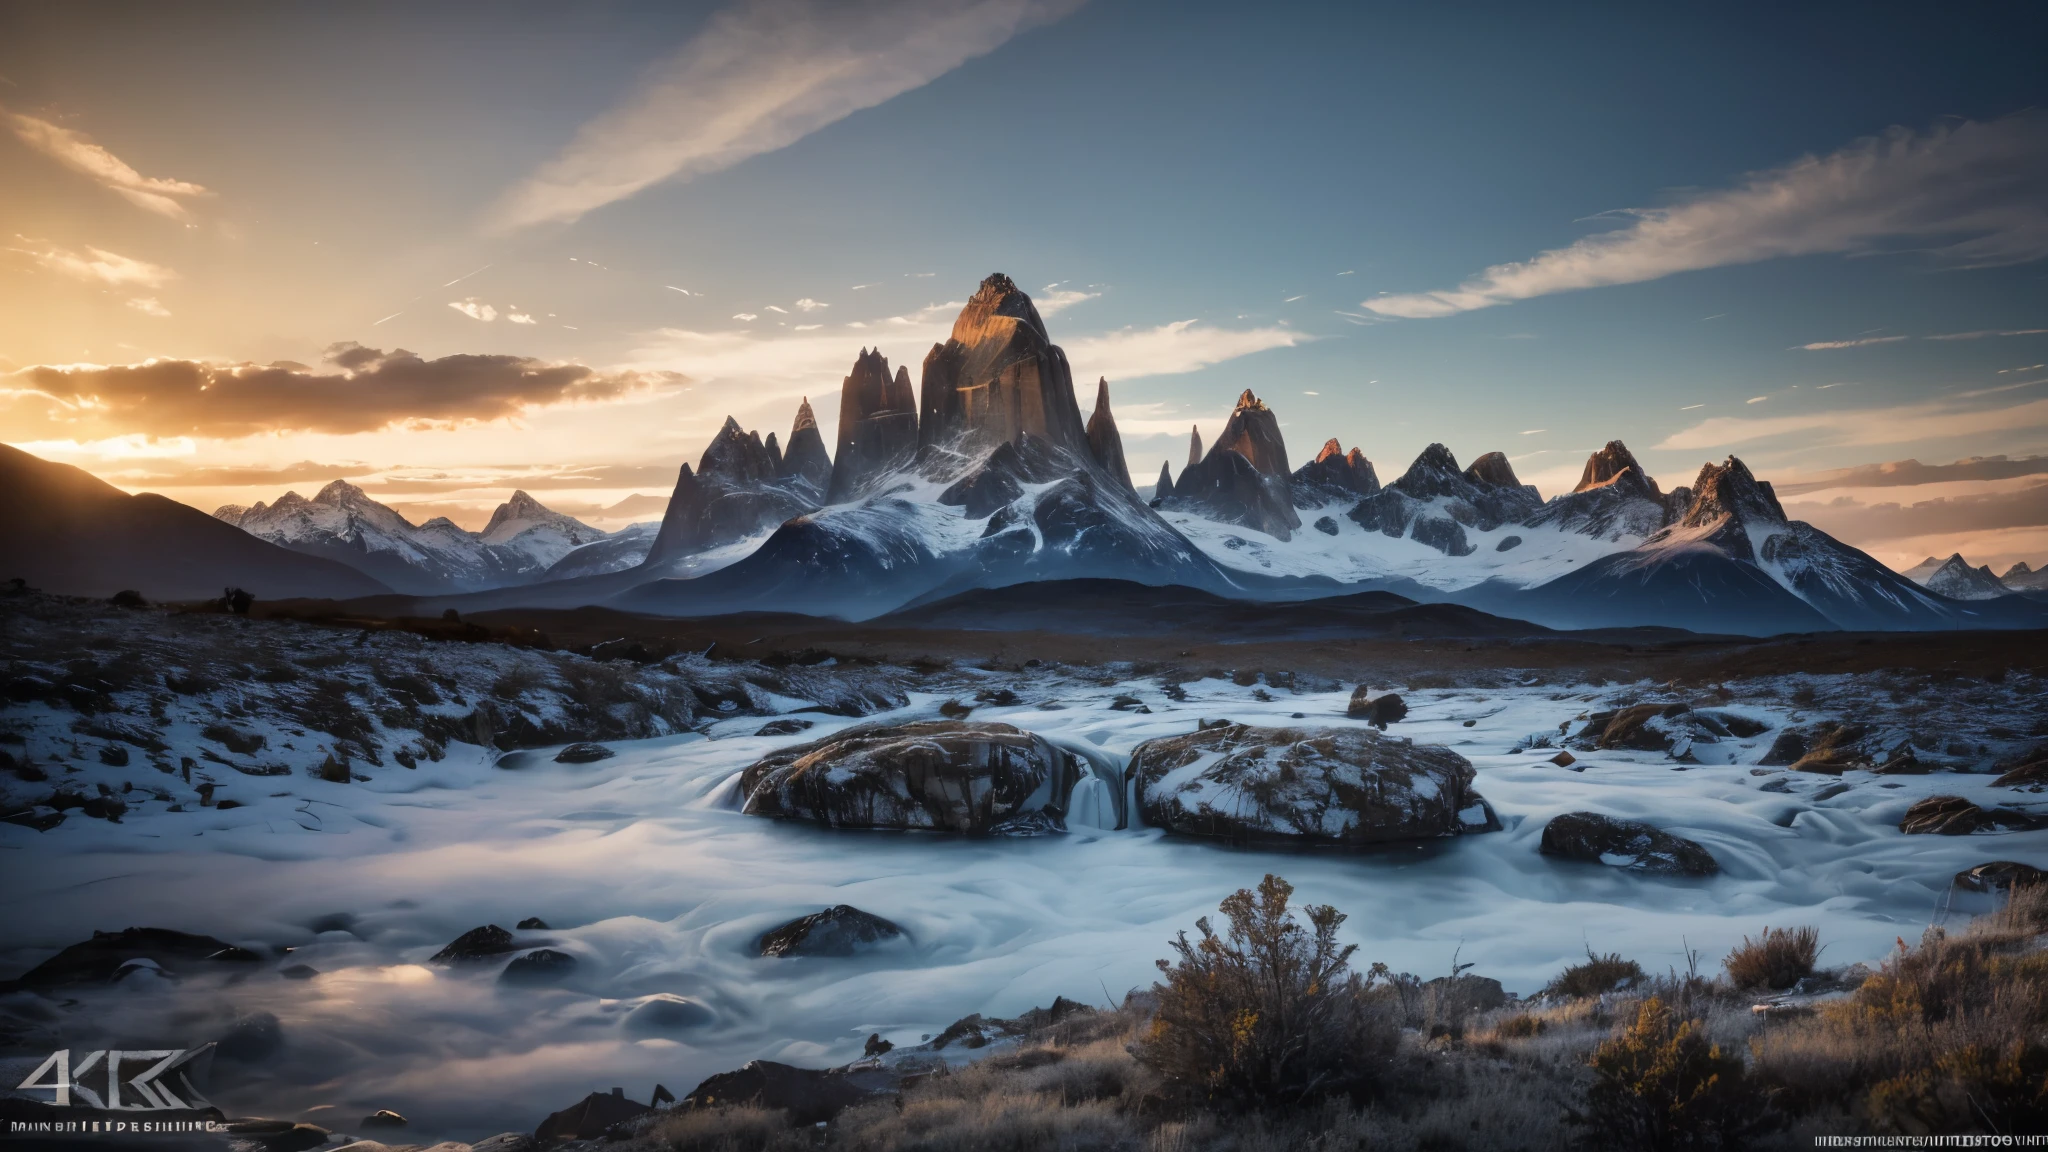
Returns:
point(660, 888)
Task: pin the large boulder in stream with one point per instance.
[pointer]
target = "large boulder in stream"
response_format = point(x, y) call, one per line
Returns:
point(1332, 787)
point(934, 775)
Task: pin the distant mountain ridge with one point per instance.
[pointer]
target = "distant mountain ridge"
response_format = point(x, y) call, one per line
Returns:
point(523, 540)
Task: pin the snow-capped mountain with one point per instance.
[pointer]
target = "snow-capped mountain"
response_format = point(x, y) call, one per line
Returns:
point(622, 550)
point(2022, 578)
point(991, 478)
point(341, 522)
point(1955, 579)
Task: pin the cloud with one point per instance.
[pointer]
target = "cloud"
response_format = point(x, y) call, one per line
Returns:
point(1907, 473)
point(476, 310)
point(1057, 300)
point(745, 317)
point(1972, 193)
point(1897, 425)
point(1978, 512)
point(1989, 332)
point(243, 476)
point(148, 306)
point(809, 305)
point(520, 317)
point(760, 76)
point(1170, 349)
point(1825, 345)
point(97, 265)
point(367, 389)
point(77, 152)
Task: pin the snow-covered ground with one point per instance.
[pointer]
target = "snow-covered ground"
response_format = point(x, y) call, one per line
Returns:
point(1354, 553)
point(649, 875)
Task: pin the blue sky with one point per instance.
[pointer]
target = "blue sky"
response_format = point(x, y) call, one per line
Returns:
point(1300, 199)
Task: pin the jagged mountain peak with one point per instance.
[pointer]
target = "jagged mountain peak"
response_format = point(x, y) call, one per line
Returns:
point(998, 296)
point(1616, 465)
point(998, 376)
point(804, 419)
point(1247, 400)
point(1729, 491)
point(1434, 469)
point(2018, 569)
point(1105, 443)
point(1956, 579)
point(1493, 471)
point(1253, 432)
point(1194, 445)
point(1330, 448)
point(340, 493)
point(1334, 475)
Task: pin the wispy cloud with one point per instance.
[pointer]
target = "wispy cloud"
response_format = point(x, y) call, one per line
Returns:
point(1826, 345)
point(1058, 300)
point(148, 306)
point(762, 75)
point(1170, 349)
point(76, 151)
point(1912, 473)
point(475, 309)
point(99, 266)
point(1989, 332)
point(1895, 425)
point(809, 305)
point(1973, 193)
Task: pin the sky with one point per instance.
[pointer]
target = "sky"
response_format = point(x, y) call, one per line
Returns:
point(446, 251)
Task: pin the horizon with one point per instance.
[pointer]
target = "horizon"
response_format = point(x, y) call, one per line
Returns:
point(1818, 264)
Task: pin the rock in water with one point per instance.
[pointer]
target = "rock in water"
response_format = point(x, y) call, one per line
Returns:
point(480, 943)
point(1345, 787)
point(837, 931)
point(542, 966)
point(1631, 844)
point(382, 1118)
point(2000, 875)
point(877, 427)
point(1945, 816)
point(938, 775)
point(997, 376)
point(100, 959)
point(1104, 443)
point(583, 753)
point(667, 1012)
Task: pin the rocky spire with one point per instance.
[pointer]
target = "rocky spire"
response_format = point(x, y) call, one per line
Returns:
point(1253, 432)
point(1727, 491)
point(1194, 445)
point(677, 522)
point(1103, 441)
point(1333, 475)
point(1617, 466)
point(877, 426)
point(1494, 471)
point(999, 376)
point(1164, 489)
point(774, 454)
point(805, 458)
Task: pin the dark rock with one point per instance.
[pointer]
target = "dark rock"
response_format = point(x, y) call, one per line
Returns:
point(1461, 995)
point(1834, 749)
point(588, 1118)
point(298, 972)
point(543, 966)
point(1564, 759)
point(809, 1096)
point(2026, 769)
point(475, 945)
point(876, 1046)
point(1126, 704)
point(1344, 787)
point(1243, 479)
point(938, 775)
point(1944, 816)
point(99, 959)
point(784, 727)
point(1379, 711)
point(1508, 543)
point(740, 488)
point(504, 1142)
point(841, 930)
point(805, 458)
point(2000, 875)
point(1326, 526)
point(382, 1118)
point(584, 752)
point(877, 427)
point(667, 1013)
point(1631, 844)
point(532, 924)
point(1162, 490)
point(1786, 749)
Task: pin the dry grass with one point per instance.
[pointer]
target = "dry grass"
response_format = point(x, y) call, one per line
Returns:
point(1949, 1037)
point(1598, 976)
point(1776, 959)
point(728, 1129)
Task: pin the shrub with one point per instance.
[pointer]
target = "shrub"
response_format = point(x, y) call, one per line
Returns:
point(1520, 1026)
point(727, 1129)
point(1777, 959)
point(1660, 1084)
point(1269, 1013)
point(1597, 976)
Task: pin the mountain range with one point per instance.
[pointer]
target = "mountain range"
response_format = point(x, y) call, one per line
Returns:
point(987, 475)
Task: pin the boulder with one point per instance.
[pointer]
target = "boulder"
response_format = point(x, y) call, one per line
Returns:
point(936, 775)
point(100, 959)
point(1785, 750)
point(1631, 844)
point(1461, 995)
point(808, 1095)
point(541, 966)
point(477, 944)
point(2027, 769)
point(1944, 816)
point(1344, 787)
point(583, 753)
point(841, 930)
point(2000, 875)
point(1834, 749)
point(783, 727)
point(382, 1118)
